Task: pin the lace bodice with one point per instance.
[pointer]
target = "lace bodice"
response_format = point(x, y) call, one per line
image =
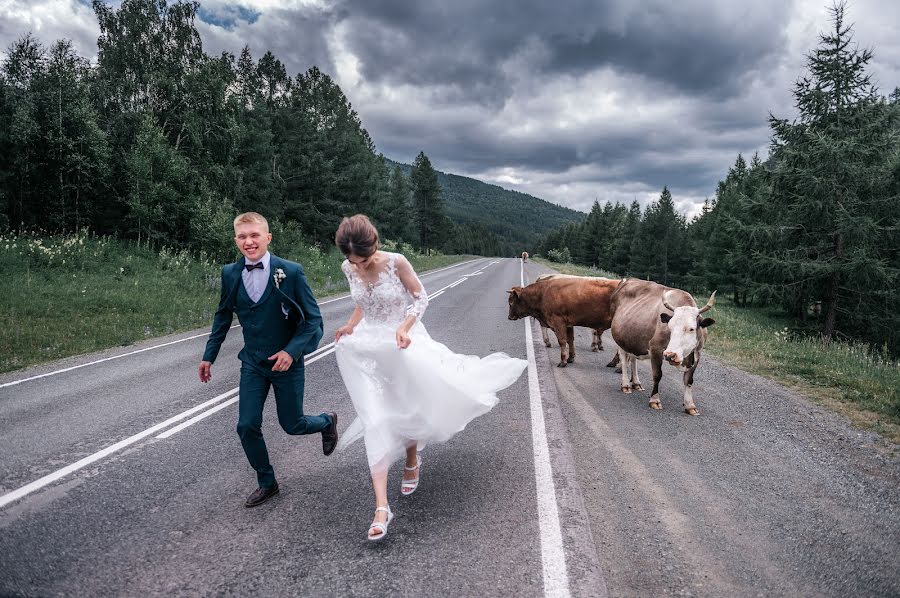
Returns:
point(388, 299)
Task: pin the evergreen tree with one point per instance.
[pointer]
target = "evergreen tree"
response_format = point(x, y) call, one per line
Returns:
point(428, 206)
point(832, 178)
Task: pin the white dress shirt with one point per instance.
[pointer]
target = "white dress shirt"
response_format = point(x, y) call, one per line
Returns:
point(255, 281)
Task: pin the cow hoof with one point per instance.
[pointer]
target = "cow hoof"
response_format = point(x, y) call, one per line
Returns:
point(618, 369)
point(594, 349)
point(637, 386)
point(561, 364)
point(656, 405)
point(570, 360)
point(692, 411)
point(547, 344)
point(626, 389)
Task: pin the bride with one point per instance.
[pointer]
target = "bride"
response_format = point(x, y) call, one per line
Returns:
point(408, 389)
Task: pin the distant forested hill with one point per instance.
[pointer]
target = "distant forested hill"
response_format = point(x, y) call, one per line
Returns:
point(518, 220)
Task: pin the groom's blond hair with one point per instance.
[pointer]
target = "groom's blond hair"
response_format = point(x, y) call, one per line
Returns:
point(251, 218)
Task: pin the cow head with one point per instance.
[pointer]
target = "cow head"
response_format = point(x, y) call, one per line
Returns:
point(516, 305)
point(687, 329)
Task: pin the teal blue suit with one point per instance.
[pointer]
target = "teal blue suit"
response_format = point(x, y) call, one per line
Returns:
point(285, 318)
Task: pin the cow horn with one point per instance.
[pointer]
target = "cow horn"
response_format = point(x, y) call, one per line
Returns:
point(666, 303)
point(709, 304)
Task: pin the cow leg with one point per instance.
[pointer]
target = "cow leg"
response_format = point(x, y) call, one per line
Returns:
point(560, 332)
point(689, 406)
point(635, 381)
point(656, 366)
point(614, 362)
point(570, 338)
point(624, 358)
point(545, 336)
point(596, 343)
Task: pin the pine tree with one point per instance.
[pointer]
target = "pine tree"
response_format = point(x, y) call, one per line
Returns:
point(833, 170)
point(428, 206)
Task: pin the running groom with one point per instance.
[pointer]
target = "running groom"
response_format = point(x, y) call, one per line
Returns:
point(281, 323)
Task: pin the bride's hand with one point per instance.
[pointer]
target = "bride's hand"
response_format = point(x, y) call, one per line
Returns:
point(403, 340)
point(345, 329)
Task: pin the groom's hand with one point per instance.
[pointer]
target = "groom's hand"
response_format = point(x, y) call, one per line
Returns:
point(283, 361)
point(205, 371)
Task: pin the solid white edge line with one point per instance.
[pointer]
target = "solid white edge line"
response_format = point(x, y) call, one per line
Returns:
point(60, 473)
point(320, 356)
point(84, 365)
point(197, 418)
point(181, 340)
point(553, 555)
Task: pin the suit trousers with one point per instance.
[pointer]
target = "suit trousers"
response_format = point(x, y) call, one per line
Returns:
point(256, 379)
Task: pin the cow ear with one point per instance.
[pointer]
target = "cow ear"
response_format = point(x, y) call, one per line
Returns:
point(706, 322)
point(665, 318)
point(514, 292)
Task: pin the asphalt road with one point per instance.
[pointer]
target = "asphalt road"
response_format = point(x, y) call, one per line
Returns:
point(166, 515)
point(589, 492)
point(762, 494)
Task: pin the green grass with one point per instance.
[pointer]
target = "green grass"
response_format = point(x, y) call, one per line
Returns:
point(846, 377)
point(67, 295)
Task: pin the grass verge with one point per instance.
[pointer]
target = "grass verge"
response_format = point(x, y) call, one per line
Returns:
point(846, 377)
point(67, 295)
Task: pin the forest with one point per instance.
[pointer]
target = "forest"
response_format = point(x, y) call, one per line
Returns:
point(813, 229)
point(160, 143)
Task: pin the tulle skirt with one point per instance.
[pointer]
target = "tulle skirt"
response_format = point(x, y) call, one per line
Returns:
point(425, 393)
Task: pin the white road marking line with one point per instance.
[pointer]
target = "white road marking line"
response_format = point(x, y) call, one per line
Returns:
point(553, 555)
point(84, 365)
point(60, 473)
point(197, 418)
point(318, 354)
point(435, 295)
point(458, 282)
point(105, 359)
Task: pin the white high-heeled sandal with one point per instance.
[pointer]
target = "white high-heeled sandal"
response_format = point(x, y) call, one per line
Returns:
point(382, 527)
point(407, 487)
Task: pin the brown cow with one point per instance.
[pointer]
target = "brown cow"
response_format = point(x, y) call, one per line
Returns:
point(644, 328)
point(562, 303)
point(596, 336)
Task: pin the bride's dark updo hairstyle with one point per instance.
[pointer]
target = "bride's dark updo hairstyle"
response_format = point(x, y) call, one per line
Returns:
point(356, 235)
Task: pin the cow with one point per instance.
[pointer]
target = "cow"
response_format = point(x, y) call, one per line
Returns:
point(562, 303)
point(596, 336)
point(524, 256)
point(651, 321)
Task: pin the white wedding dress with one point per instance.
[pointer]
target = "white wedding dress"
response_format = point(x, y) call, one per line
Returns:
point(424, 393)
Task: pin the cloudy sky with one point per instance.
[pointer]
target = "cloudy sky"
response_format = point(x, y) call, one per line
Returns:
point(584, 100)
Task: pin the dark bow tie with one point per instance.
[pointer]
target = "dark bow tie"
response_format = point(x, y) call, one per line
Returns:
point(252, 267)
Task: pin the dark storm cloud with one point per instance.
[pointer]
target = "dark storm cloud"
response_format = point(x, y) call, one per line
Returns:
point(683, 45)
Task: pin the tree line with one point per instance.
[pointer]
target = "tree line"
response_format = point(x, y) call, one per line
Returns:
point(813, 229)
point(161, 143)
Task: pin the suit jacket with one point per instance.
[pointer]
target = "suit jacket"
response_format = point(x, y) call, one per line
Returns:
point(285, 318)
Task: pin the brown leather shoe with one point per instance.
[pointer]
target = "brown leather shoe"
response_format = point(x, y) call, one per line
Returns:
point(330, 435)
point(261, 495)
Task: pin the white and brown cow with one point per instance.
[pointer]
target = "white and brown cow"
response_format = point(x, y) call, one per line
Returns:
point(651, 321)
point(596, 336)
point(562, 303)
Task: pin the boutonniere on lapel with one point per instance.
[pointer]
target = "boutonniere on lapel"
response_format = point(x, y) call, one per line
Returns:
point(278, 277)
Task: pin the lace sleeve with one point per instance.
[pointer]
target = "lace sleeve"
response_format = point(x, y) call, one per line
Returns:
point(413, 287)
point(348, 272)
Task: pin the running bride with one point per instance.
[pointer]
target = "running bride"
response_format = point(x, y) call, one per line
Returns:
point(408, 389)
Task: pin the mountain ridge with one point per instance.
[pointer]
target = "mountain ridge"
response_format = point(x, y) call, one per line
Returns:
point(518, 219)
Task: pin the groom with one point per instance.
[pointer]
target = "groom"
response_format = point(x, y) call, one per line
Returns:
point(281, 323)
